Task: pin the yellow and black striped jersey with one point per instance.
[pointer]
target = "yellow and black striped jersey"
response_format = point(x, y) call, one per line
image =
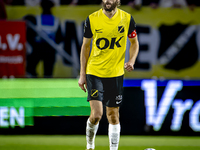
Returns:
point(109, 42)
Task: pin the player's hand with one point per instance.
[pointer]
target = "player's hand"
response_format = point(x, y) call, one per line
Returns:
point(82, 83)
point(129, 66)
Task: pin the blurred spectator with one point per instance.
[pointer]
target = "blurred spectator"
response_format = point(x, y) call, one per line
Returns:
point(74, 2)
point(3, 14)
point(32, 2)
point(193, 3)
point(137, 4)
point(154, 4)
point(41, 50)
point(29, 2)
point(173, 3)
point(80, 2)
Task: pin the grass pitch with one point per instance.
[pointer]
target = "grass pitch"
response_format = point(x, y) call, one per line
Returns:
point(74, 142)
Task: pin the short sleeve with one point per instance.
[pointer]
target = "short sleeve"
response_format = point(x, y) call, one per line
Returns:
point(87, 29)
point(132, 26)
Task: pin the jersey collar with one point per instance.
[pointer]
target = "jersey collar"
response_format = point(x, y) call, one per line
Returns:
point(110, 19)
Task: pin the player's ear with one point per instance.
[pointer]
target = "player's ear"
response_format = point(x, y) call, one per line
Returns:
point(119, 3)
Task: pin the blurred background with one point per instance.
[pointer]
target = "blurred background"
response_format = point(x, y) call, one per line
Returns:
point(40, 42)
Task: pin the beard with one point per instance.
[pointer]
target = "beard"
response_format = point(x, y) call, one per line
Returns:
point(111, 8)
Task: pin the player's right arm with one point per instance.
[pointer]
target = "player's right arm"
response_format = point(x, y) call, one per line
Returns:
point(85, 51)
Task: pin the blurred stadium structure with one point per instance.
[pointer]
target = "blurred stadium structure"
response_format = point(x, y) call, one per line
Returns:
point(161, 96)
point(169, 41)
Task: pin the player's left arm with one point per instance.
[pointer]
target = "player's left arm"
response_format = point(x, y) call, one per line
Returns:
point(133, 52)
point(134, 47)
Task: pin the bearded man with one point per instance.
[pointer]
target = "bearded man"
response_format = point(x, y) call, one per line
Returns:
point(102, 69)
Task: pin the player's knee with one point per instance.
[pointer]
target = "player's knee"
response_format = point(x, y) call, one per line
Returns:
point(95, 118)
point(113, 118)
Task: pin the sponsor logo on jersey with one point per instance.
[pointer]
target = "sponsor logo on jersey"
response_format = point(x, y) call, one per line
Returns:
point(111, 44)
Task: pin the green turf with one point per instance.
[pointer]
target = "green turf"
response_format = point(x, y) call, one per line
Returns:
point(57, 142)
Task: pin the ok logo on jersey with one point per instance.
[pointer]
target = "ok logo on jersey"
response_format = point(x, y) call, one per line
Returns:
point(111, 44)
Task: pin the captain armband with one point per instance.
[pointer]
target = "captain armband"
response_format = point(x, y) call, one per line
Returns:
point(133, 34)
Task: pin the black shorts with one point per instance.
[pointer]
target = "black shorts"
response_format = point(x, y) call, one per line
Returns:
point(107, 90)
